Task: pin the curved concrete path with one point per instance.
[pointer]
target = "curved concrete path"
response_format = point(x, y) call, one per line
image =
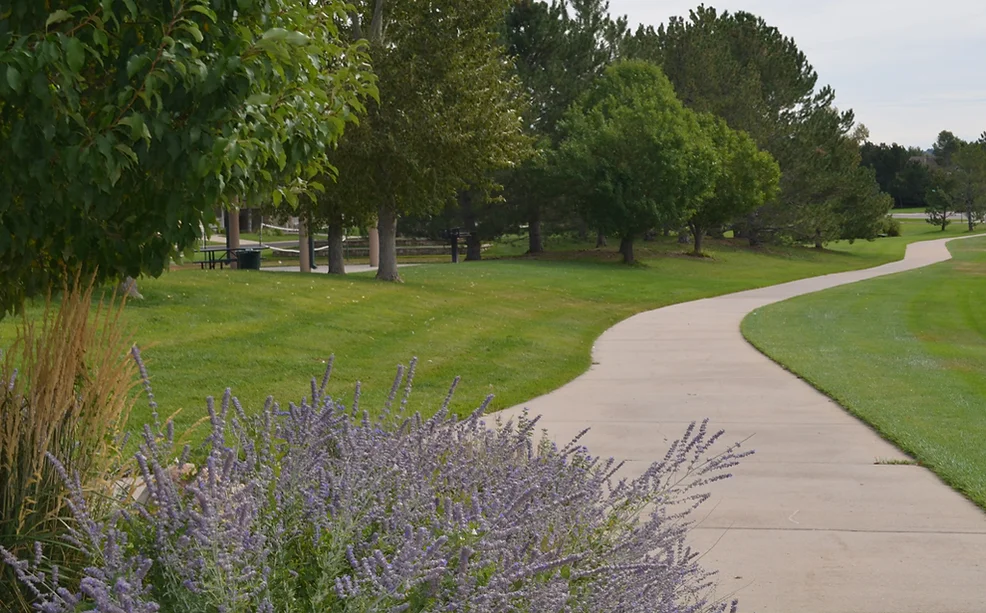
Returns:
point(812, 522)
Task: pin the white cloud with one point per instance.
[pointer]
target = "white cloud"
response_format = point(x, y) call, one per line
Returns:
point(908, 68)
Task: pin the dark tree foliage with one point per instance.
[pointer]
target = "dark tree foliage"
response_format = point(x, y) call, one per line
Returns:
point(449, 112)
point(560, 48)
point(738, 67)
point(632, 157)
point(901, 172)
point(124, 124)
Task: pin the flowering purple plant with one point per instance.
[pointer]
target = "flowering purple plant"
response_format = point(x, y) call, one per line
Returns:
point(322, 508)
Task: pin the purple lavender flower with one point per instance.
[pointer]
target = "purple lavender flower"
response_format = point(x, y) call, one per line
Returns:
point(324, 508)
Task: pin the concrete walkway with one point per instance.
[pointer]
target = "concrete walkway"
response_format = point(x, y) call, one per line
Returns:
point(815, 522)
point(952, 216)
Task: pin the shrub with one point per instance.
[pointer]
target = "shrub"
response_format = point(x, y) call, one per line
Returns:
point(66, 393)
point(891, 226)
point(321, 508)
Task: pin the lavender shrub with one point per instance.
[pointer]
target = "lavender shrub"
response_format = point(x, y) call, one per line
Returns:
point(322, 508)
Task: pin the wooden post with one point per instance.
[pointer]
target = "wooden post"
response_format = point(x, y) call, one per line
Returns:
point(304, 256)
point(374, 247)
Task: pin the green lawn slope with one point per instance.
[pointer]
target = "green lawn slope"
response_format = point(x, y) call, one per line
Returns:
point(906, 353)
point(515, 327)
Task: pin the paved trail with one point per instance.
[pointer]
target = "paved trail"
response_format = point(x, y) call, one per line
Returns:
point(811, 523)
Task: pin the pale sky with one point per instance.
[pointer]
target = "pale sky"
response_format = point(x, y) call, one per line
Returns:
point(908, 68)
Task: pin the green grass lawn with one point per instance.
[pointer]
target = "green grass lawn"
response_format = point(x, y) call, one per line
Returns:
point(905, 353)
point(514, 327)
point(919, 209)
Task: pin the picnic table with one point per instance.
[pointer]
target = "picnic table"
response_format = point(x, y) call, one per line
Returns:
point(222, 255)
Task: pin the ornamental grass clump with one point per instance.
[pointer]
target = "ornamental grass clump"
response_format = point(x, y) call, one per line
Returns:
point(65, 394)
point(321, 507)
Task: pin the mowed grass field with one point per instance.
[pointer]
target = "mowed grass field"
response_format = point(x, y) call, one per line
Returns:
point(905, 353)
point(514, 327)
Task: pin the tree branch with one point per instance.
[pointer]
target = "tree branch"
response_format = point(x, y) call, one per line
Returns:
point(376, 26)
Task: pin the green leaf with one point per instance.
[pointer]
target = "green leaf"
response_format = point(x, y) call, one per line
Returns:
point(259, 98)
point(138, 129)
point(297, 38)
point(99, 37)
point(127, 151)
point(131, 7)
point(57, 17)
point(275, 34)
point(198, 8)
point(13, 78)
point(75, 54)
point(195, 32)
point(136, 63)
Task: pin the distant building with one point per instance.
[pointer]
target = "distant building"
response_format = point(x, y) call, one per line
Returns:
point(925, 159)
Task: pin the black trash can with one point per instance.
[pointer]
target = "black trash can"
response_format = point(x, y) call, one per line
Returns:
point(248, 259)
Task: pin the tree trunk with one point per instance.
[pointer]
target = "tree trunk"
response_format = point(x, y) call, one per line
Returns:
point(374, 246)
point(233, 231)
point(626, 248)
point(600, 239)
point(387, 228)
point(128, 288)
point(304, 255)
point(752, 231)
point(818, 240)
point(474, 246)
point(969, 214)
point(337, 264)
point(697, 234)
point(535, 241)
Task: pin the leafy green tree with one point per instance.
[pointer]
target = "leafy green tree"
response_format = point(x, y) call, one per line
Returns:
point(946, 146)
point(913, 182)
point(897, 172)
point(941, 204)
point(448, 112)
point(830, 196)
point(736, 66)
point(733, 65)
point(560, 47)
point(632, 156)
point(969, 182)
point(745, 178)
point(863, 207)
point(123, 124)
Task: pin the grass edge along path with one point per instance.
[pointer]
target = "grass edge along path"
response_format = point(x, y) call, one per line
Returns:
point(905, 354)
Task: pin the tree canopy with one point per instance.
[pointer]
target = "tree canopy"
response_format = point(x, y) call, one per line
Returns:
point(560, 48)
point(738, 67)
point(744, 178)
point(901, 172)
point(633, 157)
point(124, 124)
point(449, 111)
